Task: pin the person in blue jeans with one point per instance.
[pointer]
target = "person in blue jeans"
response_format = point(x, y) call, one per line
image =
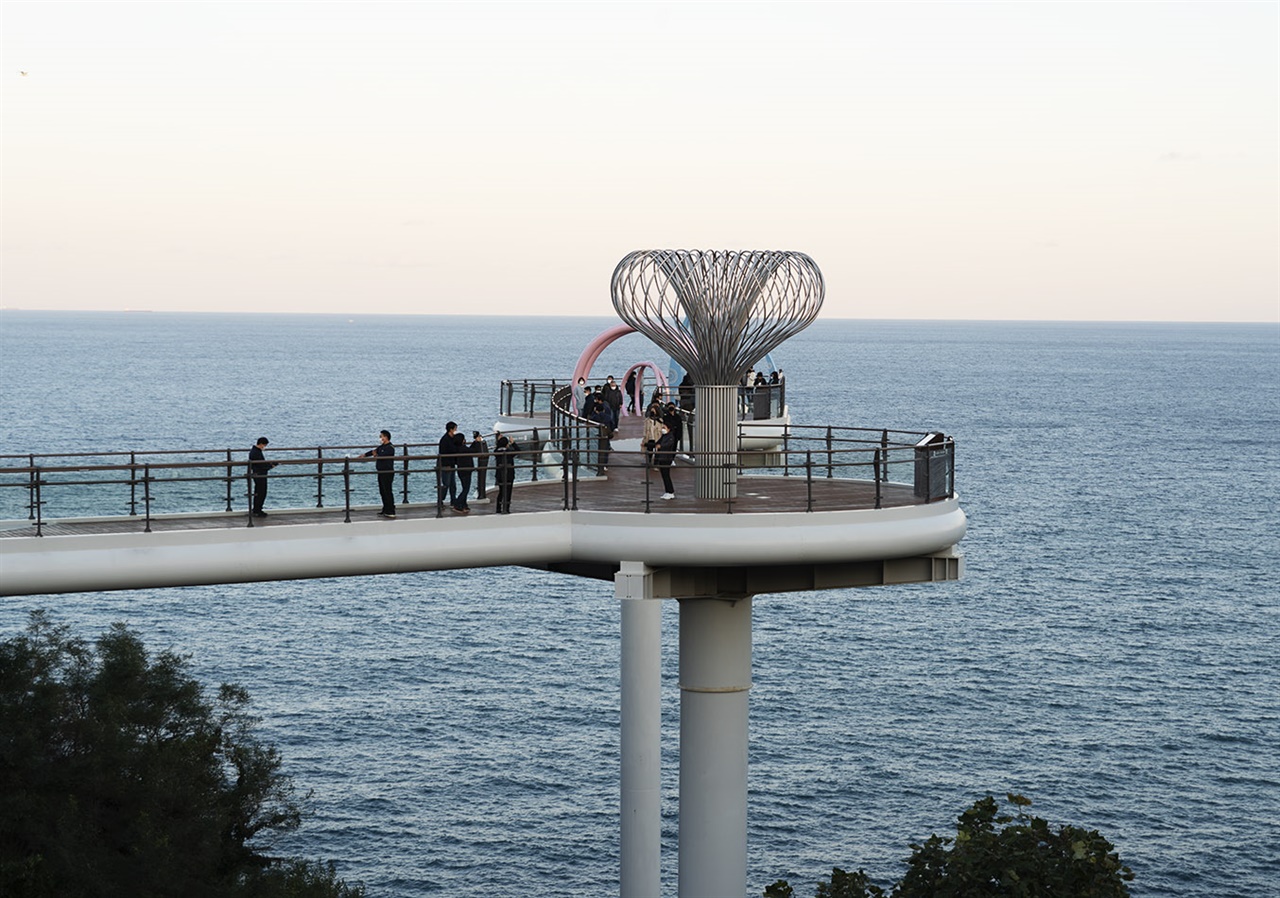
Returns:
point(448, 469)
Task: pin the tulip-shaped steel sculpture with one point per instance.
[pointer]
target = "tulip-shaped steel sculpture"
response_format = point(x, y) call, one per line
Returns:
point(717, 313)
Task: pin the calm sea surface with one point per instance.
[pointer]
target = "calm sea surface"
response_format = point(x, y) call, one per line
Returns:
point(1113, 653)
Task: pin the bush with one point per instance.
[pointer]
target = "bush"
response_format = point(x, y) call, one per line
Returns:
point(994, 854)
point(120, 778)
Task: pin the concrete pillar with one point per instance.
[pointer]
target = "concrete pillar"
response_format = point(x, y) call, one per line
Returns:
point(641, 818)
point(715, 676)
point(716, 462)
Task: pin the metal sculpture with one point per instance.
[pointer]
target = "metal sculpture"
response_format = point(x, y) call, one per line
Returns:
point(717, 313)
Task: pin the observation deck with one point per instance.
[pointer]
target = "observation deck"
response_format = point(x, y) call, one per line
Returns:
point(864, 506)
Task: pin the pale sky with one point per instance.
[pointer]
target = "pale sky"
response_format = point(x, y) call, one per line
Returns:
point(1019, 160)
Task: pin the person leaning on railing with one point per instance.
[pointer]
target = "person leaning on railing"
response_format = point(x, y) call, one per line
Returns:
point(385, 465)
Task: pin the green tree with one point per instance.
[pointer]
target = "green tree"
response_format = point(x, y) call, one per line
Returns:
point(999, 855)
point(120, 778)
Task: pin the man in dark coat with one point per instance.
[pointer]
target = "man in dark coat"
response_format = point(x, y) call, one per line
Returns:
point(479, 450)
point(386, 454)
point(671, 418)
point(629, 388)
point(613, 398)
point(601, 415)
point(447, 460)
point(505, 471)
point(466, 465)
point(258, 468)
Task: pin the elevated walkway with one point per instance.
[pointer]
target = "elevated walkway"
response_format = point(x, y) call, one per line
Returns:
point(767, 526)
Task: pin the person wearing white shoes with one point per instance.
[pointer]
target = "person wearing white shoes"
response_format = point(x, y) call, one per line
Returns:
point(664, 454)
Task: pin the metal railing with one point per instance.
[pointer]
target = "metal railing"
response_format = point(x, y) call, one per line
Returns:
point(526, 398)
point(147, 485)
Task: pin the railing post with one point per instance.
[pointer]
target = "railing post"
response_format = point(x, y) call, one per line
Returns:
point(536, 446)
point(37, 502)
point(876, 461)
point(248, 480)
point(31, 488)
point(786, 450)
point(648, 480)
point(828, 451)
point(231, 476)
point(404, 477)
point(346, 489)
point(146, 495)
point(808, 478)
point(730, 494)
point(884, 454)
point(319, 477)
point(439, 490)
point(564, 475)
point(577, 470)
point(133, 484)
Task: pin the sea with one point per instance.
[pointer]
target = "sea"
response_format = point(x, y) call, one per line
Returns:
point(1112, 652)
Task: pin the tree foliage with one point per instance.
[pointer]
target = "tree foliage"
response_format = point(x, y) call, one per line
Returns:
point(120, 778)
point(995, 854)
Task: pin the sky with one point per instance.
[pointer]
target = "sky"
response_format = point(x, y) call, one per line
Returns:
point(938, 160)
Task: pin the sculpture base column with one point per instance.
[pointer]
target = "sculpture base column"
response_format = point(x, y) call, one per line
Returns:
point(717, 455)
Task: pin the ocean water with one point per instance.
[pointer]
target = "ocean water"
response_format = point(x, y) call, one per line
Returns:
point(1113, 652)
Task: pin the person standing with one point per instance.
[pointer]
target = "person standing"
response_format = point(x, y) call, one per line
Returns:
point(505, 471)
point(447, 461)
point(629, 388)
point(601, 416)
point(466, 464)
point(385, 453)
point(671, 418)
point(479, 450)
point(613, 398)
point(664, 455)
point(652, 430)
point(688, 393)
point(580, 397)
point(589, 403)
point(258, 468)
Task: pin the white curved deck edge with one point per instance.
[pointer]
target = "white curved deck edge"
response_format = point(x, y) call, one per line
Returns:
point(92, 563)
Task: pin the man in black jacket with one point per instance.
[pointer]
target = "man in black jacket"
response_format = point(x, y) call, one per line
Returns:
point(447, 460)
point(386, 465)
point(258, 468)
point(613, 398)
point(505, 471)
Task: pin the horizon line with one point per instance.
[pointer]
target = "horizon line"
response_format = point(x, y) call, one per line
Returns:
point(582, 315)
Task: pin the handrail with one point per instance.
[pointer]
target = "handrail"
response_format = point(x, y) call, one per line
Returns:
point(164, 483)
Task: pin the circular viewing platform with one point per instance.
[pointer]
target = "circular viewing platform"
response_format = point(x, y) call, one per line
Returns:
point(132, 520)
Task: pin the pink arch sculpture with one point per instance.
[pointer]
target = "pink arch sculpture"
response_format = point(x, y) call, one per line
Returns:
point(598, 346)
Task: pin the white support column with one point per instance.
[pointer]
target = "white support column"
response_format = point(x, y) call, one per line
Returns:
point(640, 864)
point(715, 676)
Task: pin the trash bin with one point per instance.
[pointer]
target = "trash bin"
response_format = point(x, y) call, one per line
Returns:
point(932, 468)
